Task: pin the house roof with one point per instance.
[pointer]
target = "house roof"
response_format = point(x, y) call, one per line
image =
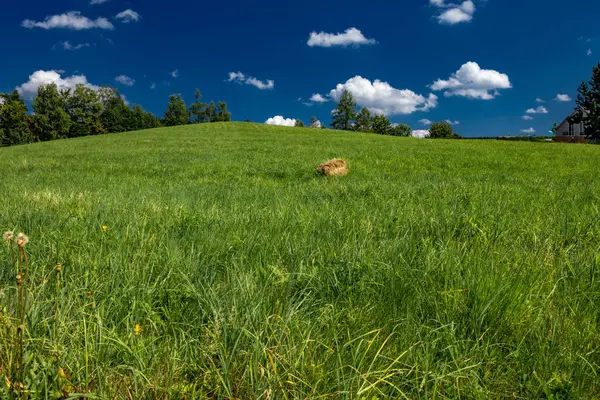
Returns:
point(585, 114)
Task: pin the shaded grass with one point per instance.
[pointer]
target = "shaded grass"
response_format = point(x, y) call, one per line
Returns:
point(436, 269)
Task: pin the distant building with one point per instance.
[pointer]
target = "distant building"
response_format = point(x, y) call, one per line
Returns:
point(571, 132)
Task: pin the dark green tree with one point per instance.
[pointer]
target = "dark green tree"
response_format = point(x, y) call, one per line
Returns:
point(402, 130)
point(151, 121)
point(116, 116)
point(588, 105)
point(15, 126)
point(85, 109)
point(345, 113)
point(50, 120)
point(223, 115)
point(299, 123)
point(442, 130)
point(211, 112)
point(382, 125)
point(198, 109)
point(364, 121)
point(136, 118)
point(176, 113)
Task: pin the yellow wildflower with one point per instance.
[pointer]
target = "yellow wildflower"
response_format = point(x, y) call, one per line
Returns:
point(104, 228)
point(138, 329)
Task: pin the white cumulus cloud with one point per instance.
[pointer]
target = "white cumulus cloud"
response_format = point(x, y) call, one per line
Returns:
point(125, 80)
point(128, 16)
point(527, 117)
point(351, 36)
point(281, 121)
point(420, 133)
point(562, 97)
point(454, 13)
point(317, 98)
point(71, 20)
point(240, 78)
point(530, 130)
point(175, 74)
point(426, 121)
point(538, 100)
point(381, 98)
point(269, 84)
point(98, 1)
point(473, 82)
point(538, 110)
point(452, 122)
point(39, 78)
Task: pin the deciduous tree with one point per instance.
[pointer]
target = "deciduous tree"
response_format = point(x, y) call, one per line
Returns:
point(364, 121)
point(50, 119)
point(14, 122)
point(382, 125)
point(176, 113)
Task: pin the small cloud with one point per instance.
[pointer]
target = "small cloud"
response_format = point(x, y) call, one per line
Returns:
point(238, 77)
point(125, 80)
point(527, 117)
point(351, 36)
point(530, 130)
point(538, 100)
point(175, 74)
point(71, 20)
point(420, 133)
point(562, 97)
point(152, 86)
point(425, 121)
point(268, 85)
point(68, 46)
point(454, 13)
point(538, 110)
point(128, 16)
point(92, 2)
point(281, 121)
point(589, 52)
point(317, 98)
point(452, 122)
point(316, 124)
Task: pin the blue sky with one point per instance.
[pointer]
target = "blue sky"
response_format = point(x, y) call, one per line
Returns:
point(480, 63)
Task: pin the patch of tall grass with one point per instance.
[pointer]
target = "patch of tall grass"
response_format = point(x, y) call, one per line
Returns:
point(211, 262)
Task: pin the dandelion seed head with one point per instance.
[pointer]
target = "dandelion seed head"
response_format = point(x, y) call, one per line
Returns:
point(8, 236)
point(22, 240)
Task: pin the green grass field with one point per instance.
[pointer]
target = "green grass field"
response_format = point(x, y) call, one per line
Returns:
point(435, 269)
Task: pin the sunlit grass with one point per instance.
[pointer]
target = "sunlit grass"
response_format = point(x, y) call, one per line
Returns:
point(211, 261)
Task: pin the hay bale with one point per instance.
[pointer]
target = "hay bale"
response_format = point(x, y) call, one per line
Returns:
point(335, 167)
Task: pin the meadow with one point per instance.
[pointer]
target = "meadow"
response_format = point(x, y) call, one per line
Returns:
point(210, 261)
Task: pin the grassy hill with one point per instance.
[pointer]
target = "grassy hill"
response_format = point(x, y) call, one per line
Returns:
point(435, 269)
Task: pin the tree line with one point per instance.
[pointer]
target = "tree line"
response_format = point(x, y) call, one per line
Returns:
point(347, 117)
point(83, 111)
